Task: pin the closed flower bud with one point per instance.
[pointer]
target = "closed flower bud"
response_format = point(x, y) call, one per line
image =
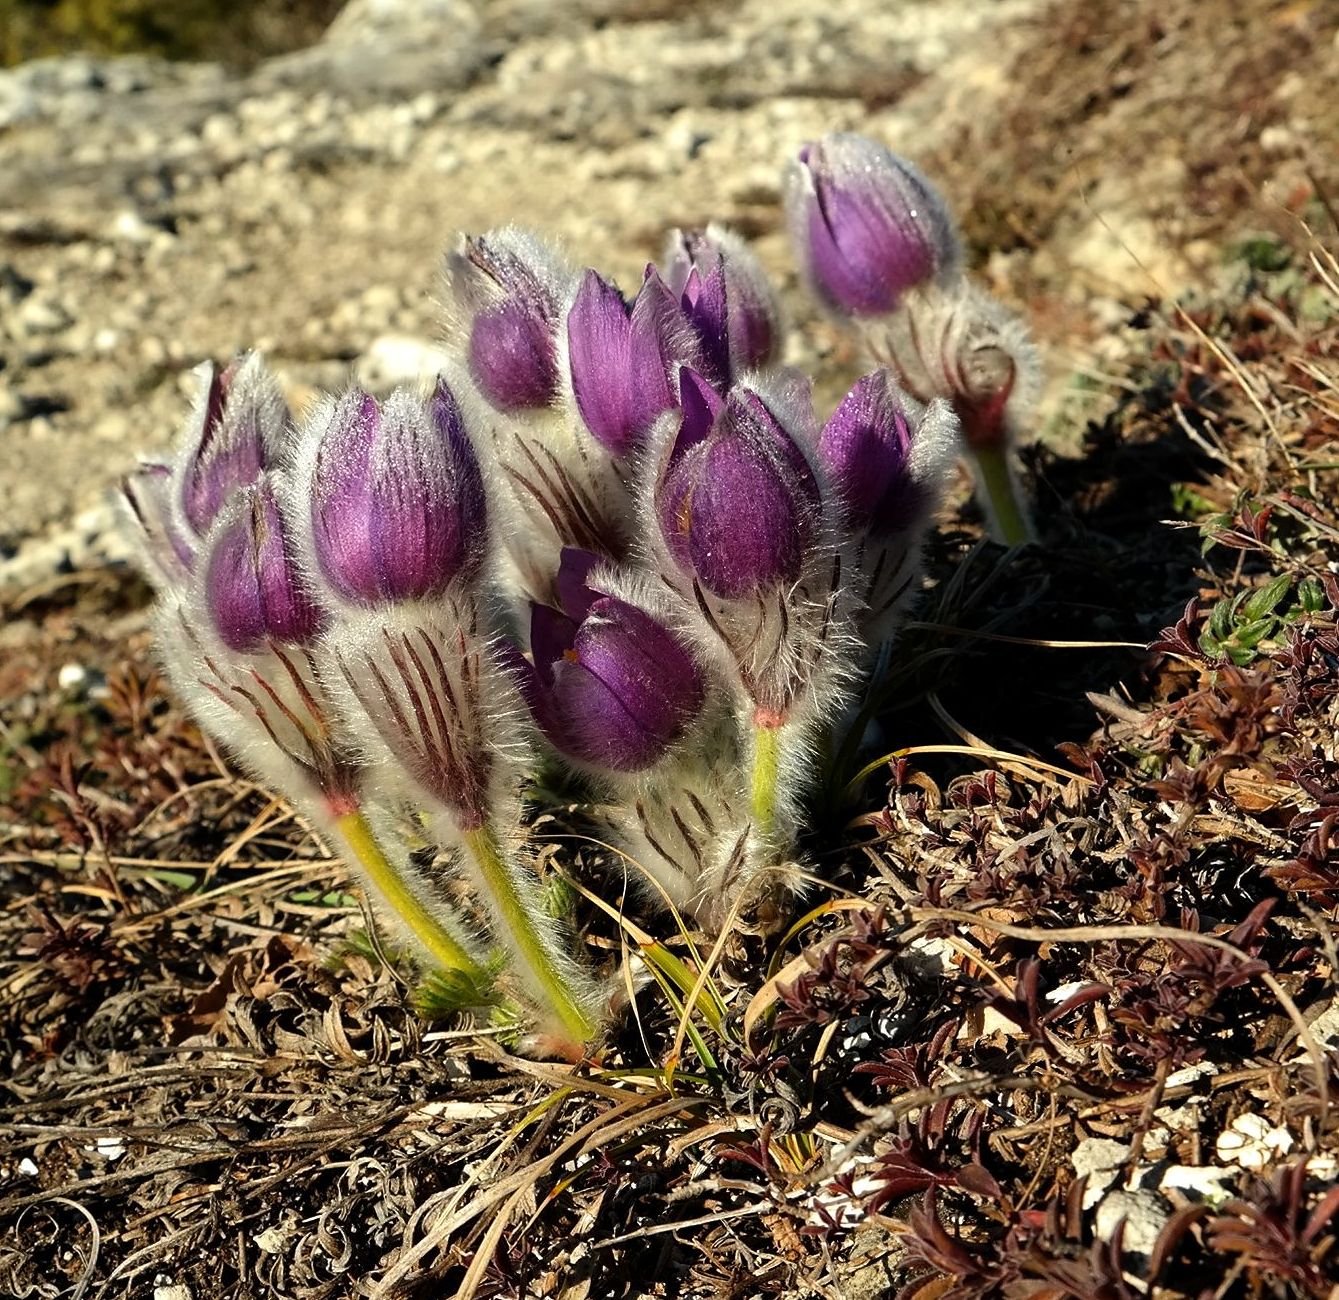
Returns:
point(396, 496)
point(611, 685)
point(866, 449)
point(252, 589)
point(508, 285)
point(620, 357)
point(738, 504)
point(236, 429)
point(727, 300)
point(866, 224)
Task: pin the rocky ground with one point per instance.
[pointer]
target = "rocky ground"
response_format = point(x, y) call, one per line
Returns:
point(200, 1095)
point(153, 215)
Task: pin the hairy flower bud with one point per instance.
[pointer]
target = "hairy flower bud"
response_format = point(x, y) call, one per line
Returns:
point(611, 685)
point(236, 429)
point(252, 590)
point(738, 503)
point(727, 300)
point(509, 286)
point(867, 224)
point(396, 496)
point(866, 449)
point(620, 356)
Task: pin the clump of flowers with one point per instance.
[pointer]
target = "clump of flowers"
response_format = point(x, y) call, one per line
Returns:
point(878, 246)
point(617, 531)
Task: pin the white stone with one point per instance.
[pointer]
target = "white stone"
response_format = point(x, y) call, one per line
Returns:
point(1202, 1182)
point(1100, 1161)
point(394, 359)
point(1144, 1214)
point(1252, 1142)
point(42, 316)
point(70, 678)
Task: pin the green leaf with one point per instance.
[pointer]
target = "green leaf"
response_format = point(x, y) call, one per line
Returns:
point(682, 977)
point(1188, 503)
point(1311, 595)
point(1262, 253)
point(183, 880)
point(691, 1031)
point(1221, 620)
point(1249, 635)
point(442, 993)
point(1268, 598)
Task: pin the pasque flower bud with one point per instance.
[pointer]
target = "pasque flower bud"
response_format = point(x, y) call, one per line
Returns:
point(237, 428)
point(867, 224)
point(611, 685)
point(866, 449)
point(510, 287)
point(395, 496)
point(620, 355)
point(738, 504)
point(888, 456)
point(727, 300)
point(252, 589)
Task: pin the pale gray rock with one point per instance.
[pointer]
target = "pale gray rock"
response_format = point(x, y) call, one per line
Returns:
point(378, 48)
point(1100, 1161)
point(1144, 1214)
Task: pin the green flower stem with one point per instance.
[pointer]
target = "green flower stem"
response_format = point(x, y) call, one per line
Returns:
point(358, 840)
point(766, 776)
point(998, 494)
point(545, 976)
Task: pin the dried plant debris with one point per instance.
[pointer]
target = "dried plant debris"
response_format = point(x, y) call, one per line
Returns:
point(1055, 1018)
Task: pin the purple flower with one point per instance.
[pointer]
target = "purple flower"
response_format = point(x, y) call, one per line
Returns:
point(397, 498)
point(620, 357)
point(866, 449)
point(867, 225)
point(727, 300)
point(251, 585)
point(506, 284)
point(236, 430)
point(738, 503)
point(611, 686)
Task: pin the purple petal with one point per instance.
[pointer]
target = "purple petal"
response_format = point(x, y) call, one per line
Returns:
point(398, 509)
point(727, 300)
point(574, 568)
point(708, 313)
point(552, 635)
point(700, 404)
point(148, 494)
point(599, 346)
point(342, 504)
point(745, 527)
point(661, 336)
point(629, 691)
point(513, 357)
point(752, 414)
point(224, 454)
point(869, 225)
point(251, 583)
point(866, 448)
